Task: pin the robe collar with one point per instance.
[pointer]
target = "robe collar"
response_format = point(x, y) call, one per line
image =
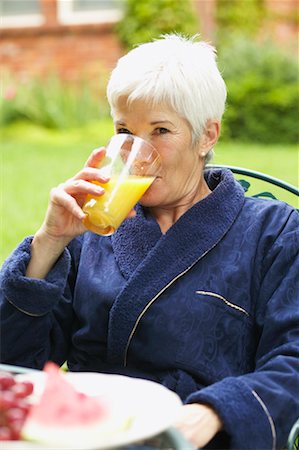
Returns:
point(150, 260)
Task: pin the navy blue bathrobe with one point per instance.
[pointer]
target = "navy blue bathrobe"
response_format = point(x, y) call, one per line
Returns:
point(210, 309)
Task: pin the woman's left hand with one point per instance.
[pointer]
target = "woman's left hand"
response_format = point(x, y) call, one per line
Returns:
point(198, 423)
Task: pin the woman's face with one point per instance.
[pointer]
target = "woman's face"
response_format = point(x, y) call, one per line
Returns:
point(171, 135)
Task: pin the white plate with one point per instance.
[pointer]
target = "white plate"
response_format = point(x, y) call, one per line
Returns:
point(152, 407)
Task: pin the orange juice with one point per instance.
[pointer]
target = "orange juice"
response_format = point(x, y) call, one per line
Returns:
point(107, 212)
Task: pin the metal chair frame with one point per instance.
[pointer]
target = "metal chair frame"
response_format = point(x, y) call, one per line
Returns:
point(259, 176)
point(293, 438)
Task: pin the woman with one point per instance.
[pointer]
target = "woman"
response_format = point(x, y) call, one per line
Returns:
point(198, 290)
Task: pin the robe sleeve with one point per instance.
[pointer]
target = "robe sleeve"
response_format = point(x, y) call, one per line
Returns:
point(259, 408)
point(36, 315)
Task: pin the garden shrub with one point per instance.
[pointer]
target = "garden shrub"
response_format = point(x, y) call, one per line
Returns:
point(50, 102)
point(145, 20)
point(263, 93)
point(235, 16)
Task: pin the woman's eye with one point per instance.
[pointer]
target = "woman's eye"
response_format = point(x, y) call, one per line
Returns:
point(162, 130)
point(123, 130)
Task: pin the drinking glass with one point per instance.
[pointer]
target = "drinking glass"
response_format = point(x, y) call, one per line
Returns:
point(131, 164)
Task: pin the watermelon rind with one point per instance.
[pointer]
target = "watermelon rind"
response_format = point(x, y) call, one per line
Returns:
point(75, 437)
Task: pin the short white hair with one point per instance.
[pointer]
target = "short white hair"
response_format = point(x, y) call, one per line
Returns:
point(174, 70)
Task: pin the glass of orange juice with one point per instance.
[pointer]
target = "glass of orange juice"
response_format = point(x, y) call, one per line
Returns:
point(131, 164)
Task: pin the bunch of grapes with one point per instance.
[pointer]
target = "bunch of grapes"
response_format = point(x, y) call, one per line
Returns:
point(14, 406)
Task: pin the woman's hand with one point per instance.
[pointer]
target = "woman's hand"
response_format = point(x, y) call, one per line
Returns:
point(64, 216)
point(198, 423)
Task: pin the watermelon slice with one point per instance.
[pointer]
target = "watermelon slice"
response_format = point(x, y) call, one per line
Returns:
point(66, 418)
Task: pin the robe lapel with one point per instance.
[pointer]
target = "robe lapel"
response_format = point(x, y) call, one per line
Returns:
point(150, 261)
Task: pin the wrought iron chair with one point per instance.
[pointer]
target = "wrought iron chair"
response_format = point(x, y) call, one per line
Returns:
point(293, 440)
point(280, 190)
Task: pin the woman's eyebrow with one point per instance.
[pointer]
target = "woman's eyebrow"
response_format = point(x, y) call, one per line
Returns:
point(154, 122)
point(160, 121)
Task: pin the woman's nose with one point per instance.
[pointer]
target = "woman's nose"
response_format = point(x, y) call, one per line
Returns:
point(145, 136)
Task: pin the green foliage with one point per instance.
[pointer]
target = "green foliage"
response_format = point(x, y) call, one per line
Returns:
point(242, 17)
point(145, 20)
point(263, 93)
point(34, 159)
point(50, 102)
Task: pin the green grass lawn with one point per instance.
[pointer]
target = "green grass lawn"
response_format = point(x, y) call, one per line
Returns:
point(33, 160)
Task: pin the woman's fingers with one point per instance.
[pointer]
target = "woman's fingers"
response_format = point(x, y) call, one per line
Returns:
point(96, 157)
point(131, 214)
point(90, 174)
point(90, 171)
point(199, 423)
point(61, 199)
point(70, 193)
point(79, 186)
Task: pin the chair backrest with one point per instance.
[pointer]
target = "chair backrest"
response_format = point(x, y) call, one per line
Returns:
point(268, 187)
point(274, 188)
point(258, 184)
point(293, 440)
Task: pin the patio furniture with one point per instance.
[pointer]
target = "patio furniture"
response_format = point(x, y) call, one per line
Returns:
point(258, 184)
point(293, 440)
point(251, 188)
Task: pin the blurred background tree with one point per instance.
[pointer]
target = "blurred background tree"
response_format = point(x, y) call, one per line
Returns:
point(144, 20)
point(238, 17)
point(262, 79)
point(263, 92)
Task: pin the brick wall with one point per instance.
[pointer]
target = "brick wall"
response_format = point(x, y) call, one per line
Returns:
point(282, 24)
point(91, 50)
point(70, 51)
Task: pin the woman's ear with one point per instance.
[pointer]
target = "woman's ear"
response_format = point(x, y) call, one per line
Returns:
point(210, 135)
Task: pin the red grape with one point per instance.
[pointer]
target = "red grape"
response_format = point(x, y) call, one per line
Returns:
point(7, 400)
point(14, 415)
point(22, 389)
point(6, 380)
point(14, 406)
point(5, 433)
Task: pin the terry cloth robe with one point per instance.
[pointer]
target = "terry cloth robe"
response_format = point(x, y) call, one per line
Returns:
point(210, 309)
